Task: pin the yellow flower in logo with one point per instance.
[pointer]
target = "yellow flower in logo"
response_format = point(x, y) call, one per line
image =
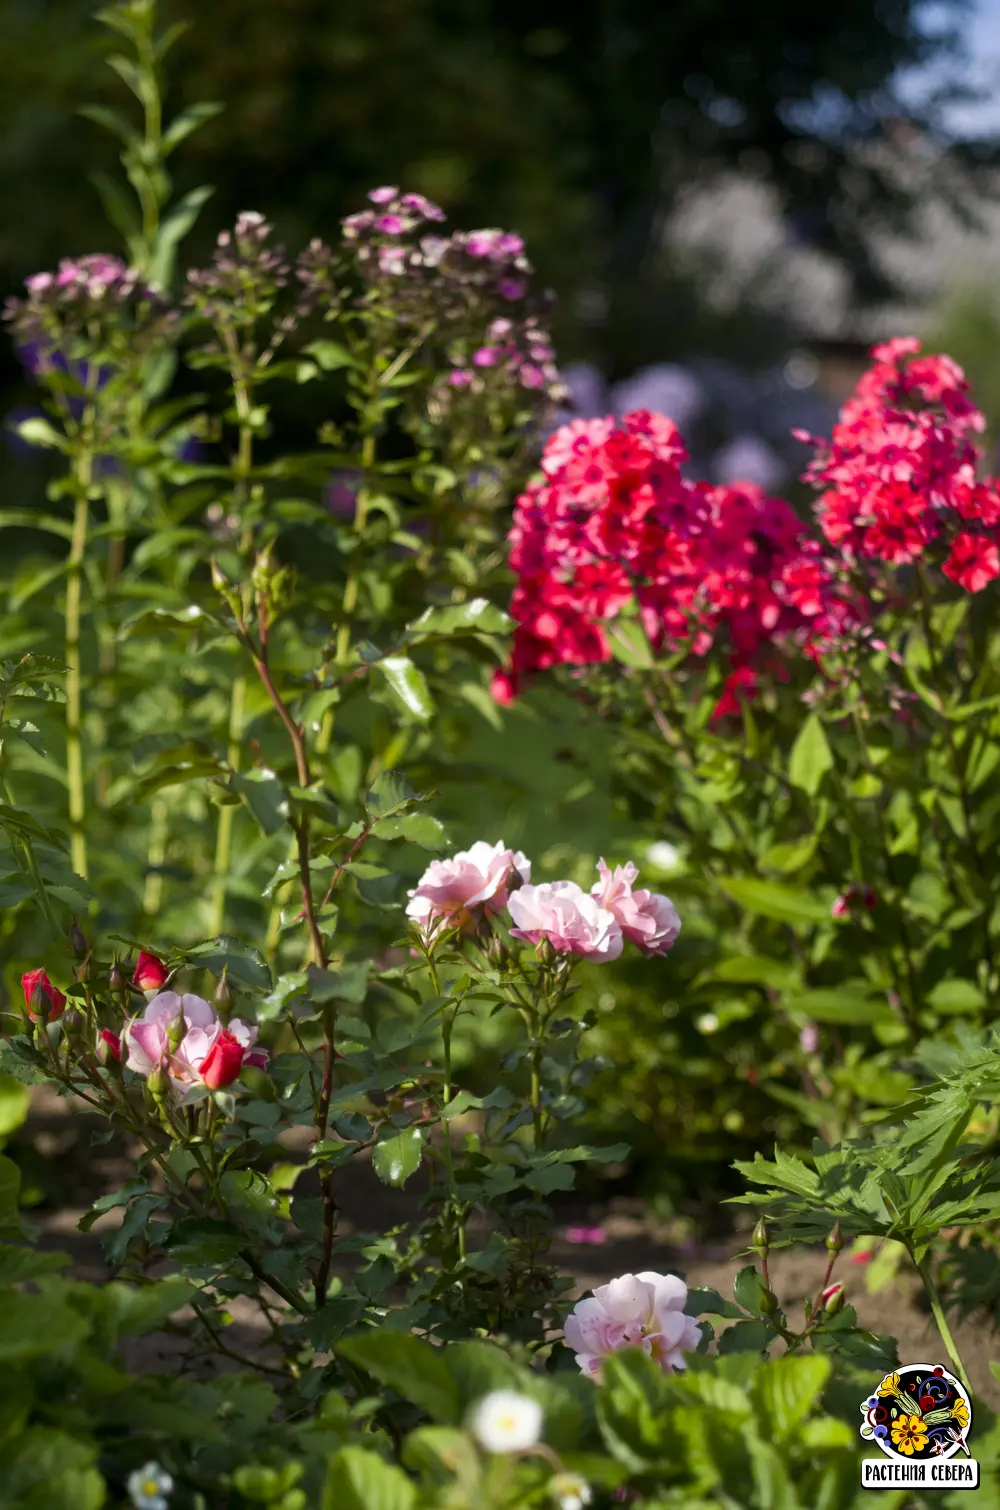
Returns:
point(960, 1413)
point(909, 1434)
point(889, 1385)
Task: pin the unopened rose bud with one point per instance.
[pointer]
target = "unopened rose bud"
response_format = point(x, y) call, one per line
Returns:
point(176, 1032)
point(832, 1299)
point(150, 974)
point(761, 1239)
point(77, 941)
point(497, 952)
point(223, 997)
point(116, 978)
point(85, 969)
point(834, 1241)
point(768, 1303)
point(108, 1047)
point(158, 1083)
point(42, 1001)
point(544, 951)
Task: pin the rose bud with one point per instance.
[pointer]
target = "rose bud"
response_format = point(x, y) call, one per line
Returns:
point(223, 997)
point(116, 978)
point(42, 1002)
point(223, 1062)
point(150, 973)
point(832, 1299)
point(77, 939)
point(109, 1047)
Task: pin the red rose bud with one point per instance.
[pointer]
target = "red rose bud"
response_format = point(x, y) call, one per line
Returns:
point(832, 1299)
point(223, 1062)
point(109, 1047)
point(42, 1002)
point(150, 973)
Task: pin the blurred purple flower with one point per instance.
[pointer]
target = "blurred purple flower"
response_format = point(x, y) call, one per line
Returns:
point(747, 458)
point(664, 388)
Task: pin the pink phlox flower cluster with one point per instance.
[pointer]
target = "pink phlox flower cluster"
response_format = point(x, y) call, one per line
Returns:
point(900, 471)
point(612, 522)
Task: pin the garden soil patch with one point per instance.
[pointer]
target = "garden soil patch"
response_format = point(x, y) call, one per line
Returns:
point(66, 1171)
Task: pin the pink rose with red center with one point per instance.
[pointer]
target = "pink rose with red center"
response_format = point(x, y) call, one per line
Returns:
point(637, 1310)
point(206, 1053)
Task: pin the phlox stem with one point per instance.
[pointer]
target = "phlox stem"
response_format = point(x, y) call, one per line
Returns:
point(74, 748)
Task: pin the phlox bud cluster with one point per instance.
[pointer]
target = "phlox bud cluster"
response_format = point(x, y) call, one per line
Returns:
point(90, 307)
point(473, 285)
point(485, 881)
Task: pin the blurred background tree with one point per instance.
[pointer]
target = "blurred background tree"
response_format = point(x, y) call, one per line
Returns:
point(577, 122)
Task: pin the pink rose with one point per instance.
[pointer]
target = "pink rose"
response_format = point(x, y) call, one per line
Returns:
point(476, 877)
point(146, 1037)
point(645, 917)
point(638, 1310)
point(573, 922)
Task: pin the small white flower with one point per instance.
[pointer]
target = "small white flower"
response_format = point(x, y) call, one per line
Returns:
point(148, 1487)
point(663, 856)
point(505, 1421)
point(570, 1491)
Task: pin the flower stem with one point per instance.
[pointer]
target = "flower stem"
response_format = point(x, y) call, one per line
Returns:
point(227, 815)
point(941, 1320)
point(74, 749)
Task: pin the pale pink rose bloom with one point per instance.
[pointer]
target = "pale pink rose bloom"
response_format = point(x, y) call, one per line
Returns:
point(145, 1037)
point(563, 913)
point(475, 877)
point(645, 917)
point(638, 1310)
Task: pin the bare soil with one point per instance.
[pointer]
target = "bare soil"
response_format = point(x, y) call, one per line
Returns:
point(66, 1171)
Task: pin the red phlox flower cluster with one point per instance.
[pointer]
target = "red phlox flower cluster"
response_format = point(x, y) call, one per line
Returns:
point(613, 521)
point(900, 470)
